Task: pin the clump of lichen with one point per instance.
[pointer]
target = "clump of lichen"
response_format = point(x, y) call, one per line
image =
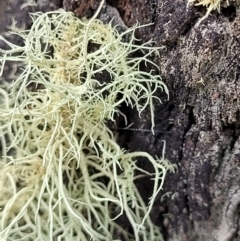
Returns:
point(211, 5)
point(62, 174)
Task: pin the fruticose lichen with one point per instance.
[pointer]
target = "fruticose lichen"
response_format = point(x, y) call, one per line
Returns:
point(62, 174)
point(209, 4)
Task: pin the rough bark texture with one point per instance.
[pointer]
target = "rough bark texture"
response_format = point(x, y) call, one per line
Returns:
point(201, 120)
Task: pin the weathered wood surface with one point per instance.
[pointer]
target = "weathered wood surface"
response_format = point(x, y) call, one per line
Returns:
point(201, 121)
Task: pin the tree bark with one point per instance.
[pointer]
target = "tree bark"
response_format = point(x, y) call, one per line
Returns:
point(200, 122)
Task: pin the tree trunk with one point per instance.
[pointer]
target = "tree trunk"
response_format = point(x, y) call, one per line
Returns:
point(201, 120)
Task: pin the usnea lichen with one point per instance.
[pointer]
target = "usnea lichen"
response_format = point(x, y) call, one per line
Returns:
point(62, 174)
point(211, 5)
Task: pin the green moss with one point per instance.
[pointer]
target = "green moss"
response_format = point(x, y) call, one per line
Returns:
point(68, 178)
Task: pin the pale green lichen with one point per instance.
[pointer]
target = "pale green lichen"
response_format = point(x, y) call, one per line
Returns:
point(211, 5)
point(62, 174)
